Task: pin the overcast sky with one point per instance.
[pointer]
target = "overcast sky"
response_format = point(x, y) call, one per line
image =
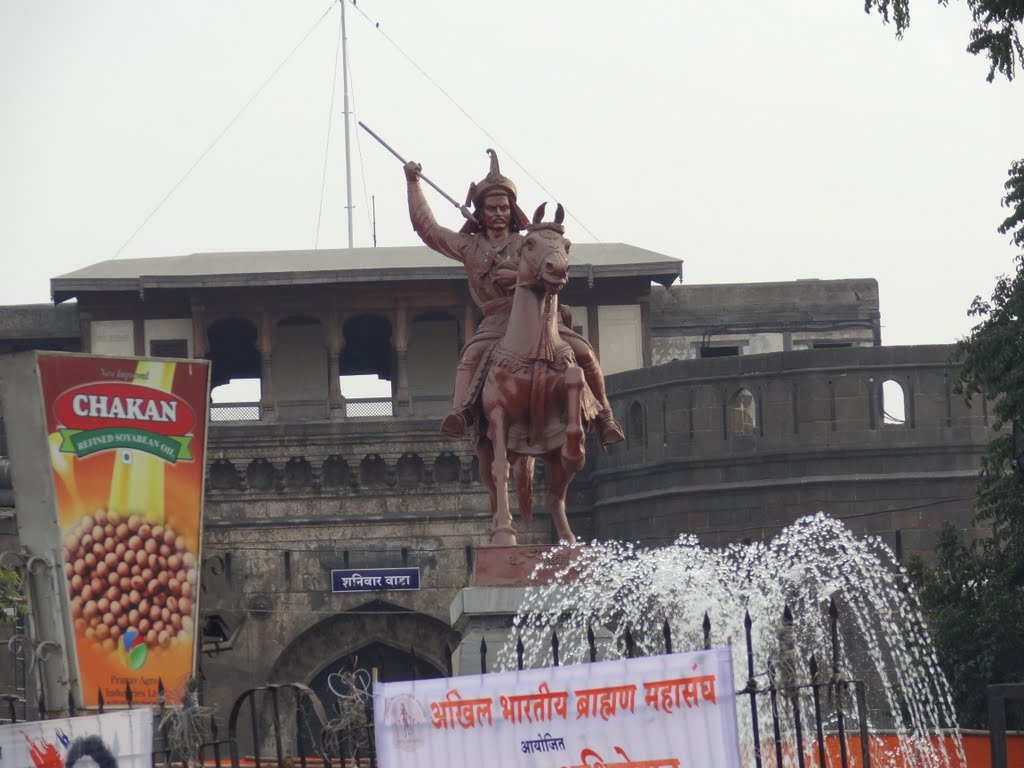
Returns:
point(754, 140)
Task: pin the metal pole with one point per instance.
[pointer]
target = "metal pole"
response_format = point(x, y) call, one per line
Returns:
point(348, 151)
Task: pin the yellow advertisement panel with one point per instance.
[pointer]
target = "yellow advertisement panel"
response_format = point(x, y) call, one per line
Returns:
point(127, 446)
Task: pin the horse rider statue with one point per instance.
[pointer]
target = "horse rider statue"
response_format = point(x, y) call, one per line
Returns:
point(489, 246)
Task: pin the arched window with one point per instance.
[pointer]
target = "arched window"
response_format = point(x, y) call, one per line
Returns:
point(365, 366)
point(409, 470)
point(372, 470)
point(232, 349)
point(298, 473)
point(742, 413)
point(447, 468)
point(894, 402)
point(335, 472)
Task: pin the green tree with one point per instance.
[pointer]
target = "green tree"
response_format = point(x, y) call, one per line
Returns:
point(996, 32)
point(973, 594)
point(11, 601)
point(991, 573)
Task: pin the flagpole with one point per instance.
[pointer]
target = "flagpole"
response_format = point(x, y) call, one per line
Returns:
point(348, 151)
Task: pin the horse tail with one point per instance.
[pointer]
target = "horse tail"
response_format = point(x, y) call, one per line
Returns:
point(523, 468)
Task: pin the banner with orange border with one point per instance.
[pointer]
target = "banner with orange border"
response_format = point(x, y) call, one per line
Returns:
point(673, 711)
point(127, 446)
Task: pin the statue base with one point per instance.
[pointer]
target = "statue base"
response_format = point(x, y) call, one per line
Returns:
point(483, 612)
point(514, 566)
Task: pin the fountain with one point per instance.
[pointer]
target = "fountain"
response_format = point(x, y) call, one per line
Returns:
point(633, 601)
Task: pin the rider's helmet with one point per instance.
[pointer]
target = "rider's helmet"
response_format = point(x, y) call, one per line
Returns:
point(491, 183)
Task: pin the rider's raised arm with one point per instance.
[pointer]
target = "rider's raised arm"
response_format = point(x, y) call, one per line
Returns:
point(440, 239)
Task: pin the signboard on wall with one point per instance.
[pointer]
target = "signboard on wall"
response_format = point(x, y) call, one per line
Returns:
point(375, 579)
point(127, 445)
point(672, 711)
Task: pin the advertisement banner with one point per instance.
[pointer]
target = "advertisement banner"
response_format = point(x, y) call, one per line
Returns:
point(127, 446)
point(117, 739)
point(673, 711)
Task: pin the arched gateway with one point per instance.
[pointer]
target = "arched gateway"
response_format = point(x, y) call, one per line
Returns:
point(400, 643)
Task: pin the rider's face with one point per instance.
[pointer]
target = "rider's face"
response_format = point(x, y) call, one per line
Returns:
point(496, 214)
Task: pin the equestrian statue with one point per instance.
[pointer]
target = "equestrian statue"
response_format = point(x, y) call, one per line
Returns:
point(526, 381)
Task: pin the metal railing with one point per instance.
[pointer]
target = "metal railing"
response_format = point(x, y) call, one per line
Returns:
point(810, 716)
point(311, 410)
point(786, 701)
point(355, 408)
point(234, 411)
point(369, 407)
point(997, 696)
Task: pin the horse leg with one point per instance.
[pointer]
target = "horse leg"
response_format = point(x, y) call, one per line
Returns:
point(555, 501)
point(485, 457)
point(522, 468)
point(573, 452)
point(502, 532)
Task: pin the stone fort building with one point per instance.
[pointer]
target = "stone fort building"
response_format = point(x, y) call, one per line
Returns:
point(745, 407)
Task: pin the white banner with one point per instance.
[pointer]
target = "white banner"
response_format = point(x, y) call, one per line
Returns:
point(674, 711)
point(116, 740)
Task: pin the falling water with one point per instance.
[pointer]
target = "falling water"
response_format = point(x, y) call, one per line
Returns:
point(626, 595)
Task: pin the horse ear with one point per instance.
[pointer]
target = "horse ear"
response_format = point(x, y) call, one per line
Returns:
point(559, 214)
point(538, 215)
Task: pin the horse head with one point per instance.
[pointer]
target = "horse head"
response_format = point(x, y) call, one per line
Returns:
point(544, 263)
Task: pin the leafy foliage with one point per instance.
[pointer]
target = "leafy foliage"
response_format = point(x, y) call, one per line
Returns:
point(996, 30)
point(11, 601)
point(974, 594)
point(976, 618)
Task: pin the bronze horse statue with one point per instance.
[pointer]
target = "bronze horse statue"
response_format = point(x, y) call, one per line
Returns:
point(534, 401)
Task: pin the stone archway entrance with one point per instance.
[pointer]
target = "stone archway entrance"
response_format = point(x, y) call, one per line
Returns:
point(391, 664)
point(400, 643)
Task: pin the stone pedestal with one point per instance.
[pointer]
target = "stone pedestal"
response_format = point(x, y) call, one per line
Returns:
point(482, 613)
point(485, 609)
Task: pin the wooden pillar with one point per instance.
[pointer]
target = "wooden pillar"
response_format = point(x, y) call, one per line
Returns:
point(199, 349)
point(268, 404)
point(403, 395)
point(645, 331)
point(335, 346)
point(139, 336)
point(85, 326)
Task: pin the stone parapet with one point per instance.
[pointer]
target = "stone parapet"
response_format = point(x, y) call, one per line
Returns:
point(735, 448)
